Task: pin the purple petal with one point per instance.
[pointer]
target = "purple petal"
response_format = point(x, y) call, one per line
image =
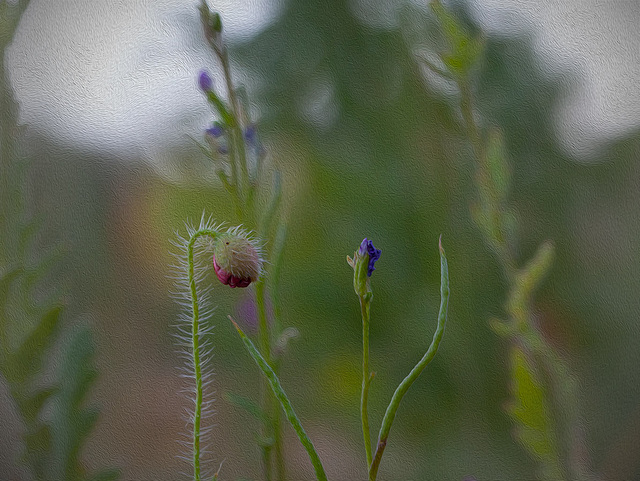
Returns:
point(250, 133)
point(374, 254)
point(215, 131)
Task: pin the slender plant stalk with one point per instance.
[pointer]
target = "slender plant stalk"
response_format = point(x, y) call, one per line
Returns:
point(243, 190)
point(274, 278)
point(265, 346)
point(236, 129)
point(404, 386)
point(195, 333)
point(274, 430)
point(279, 449)
point(365, 306)
point(281, 396)
point(519, 310)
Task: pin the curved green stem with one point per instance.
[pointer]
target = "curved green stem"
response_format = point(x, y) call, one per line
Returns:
point(404, 386)
point(365, 306)
point(274, 382)
point(195, 335)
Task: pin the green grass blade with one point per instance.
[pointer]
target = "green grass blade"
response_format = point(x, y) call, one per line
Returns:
point(274, 382)
point(404, 386)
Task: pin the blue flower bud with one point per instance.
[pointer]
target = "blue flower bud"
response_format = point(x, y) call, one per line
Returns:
point(366, 247)
point(363, 266)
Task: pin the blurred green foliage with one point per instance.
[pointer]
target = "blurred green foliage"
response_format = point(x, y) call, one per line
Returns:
point(30, 313)
point(530, 411)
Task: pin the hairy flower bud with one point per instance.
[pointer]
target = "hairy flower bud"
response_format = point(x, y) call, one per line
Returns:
point(236, 259)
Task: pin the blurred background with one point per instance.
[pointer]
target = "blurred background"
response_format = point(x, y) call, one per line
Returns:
point(370, 145)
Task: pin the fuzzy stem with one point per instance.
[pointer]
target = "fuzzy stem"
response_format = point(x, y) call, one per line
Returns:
point(365, 306)
point(404, 386)
point(195, 333)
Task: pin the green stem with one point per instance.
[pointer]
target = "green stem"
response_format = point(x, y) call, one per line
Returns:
point(274, 382)
point(279, 449)
point(505, 256)
point(519, 311)
point(466, 106)
point(195, 334)
point(404, 386)
point(274, 278)
point(266, 460)
point(264, 337)
point(365, 306)
point(236, 130)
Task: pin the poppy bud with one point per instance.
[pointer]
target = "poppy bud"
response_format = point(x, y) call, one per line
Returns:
point(236, 259)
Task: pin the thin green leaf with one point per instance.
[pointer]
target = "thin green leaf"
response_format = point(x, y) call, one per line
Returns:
point(274, 382)
point(270, 213)
point(529, 409)
point(31, 406)
point(26, 362)
point(227, 116)
point(406, 383)
point(73, 421)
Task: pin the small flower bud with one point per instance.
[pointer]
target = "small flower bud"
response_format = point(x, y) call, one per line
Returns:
point(236, 259)
point(250, 133)
point(366, 247)
point(363, 266)
point(216, 131)
point(206, 84)
point(215, 137)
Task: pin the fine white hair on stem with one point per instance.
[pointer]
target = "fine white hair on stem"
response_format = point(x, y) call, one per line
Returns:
point(195, 359)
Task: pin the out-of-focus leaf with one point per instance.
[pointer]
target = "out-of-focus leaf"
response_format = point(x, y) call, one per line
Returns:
point(32, 404)
point(464, 49)
point(26, 361)
point(529, 409)
point(73, 422)
point(106, 475)
point(497, 167)
point(37, 450)
point(6, 279)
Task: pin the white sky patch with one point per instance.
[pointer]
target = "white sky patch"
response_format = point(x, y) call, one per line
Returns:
point(119, 75)
point(597, 40)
